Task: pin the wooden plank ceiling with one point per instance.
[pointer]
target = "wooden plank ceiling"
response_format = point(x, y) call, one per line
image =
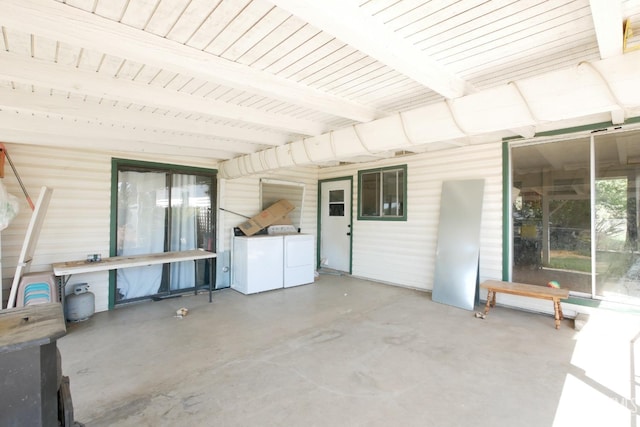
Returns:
point(217, 79)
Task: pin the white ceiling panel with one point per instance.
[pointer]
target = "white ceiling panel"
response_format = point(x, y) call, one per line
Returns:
point(200, 72)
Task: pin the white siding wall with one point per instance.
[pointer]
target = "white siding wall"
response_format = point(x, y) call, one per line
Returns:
point(78, 219)
point(403, 253)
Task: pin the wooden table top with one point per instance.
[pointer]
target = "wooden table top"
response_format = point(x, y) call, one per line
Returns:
point(30, 326)
point(126, 261)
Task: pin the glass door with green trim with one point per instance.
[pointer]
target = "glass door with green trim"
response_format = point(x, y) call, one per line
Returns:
point(617, 187)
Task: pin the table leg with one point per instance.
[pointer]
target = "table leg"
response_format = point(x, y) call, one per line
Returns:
point(208, 261)
point(558, 311)
point(211, 276)
point(491, 296)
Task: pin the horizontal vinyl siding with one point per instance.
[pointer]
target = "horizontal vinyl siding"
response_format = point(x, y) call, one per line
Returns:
point(403, 253)
point(77, 221)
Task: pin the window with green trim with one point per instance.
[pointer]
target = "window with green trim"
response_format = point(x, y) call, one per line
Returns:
point(383, 194)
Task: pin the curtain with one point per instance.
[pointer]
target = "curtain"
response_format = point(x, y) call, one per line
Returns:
point(142, 201)
point(184, 195)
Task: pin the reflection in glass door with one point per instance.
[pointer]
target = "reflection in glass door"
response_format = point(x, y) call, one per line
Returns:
point(191, 228)
point(575, 214)
point(617, 267)
point(551, 214)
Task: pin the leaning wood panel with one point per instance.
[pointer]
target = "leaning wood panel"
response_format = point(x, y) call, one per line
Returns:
point(30, 241)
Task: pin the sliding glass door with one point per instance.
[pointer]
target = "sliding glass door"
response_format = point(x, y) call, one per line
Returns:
point(160, 210)
point(617, 179)
point(551, 214)
point(574, 214)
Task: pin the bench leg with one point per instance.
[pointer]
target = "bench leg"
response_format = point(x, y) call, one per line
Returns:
point(491, 301)
point(558, 312)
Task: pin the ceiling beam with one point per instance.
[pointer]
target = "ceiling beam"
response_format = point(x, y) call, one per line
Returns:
point(57, 132)
point(48, 74)
point(608, 23)
point(348, 23)
point(105, 145)
point(60, 22)
point(75, 107)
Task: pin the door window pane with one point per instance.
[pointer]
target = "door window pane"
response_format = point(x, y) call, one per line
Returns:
point(551, 214)
point(616, 212)
point(336, 196)
point(336, 202)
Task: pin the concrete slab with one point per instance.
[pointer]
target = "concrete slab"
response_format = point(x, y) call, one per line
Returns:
point(340, 352)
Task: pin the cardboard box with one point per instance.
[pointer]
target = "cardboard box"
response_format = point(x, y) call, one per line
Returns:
point(285, 220)
point(271, 215)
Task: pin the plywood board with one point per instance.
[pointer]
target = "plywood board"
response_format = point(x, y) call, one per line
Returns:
point(30, 241)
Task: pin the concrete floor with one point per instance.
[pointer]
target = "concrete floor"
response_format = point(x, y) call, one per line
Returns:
point(347, 352)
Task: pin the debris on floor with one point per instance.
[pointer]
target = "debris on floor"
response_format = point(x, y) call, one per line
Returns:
point(181, 312)
point(480, 315)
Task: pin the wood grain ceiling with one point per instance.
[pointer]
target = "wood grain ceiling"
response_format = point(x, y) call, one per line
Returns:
point(218, 79)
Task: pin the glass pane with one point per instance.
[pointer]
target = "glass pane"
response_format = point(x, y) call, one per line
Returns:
point(336, 209)
point(370, 194)
point(336, 196)
point(551, 215)
point(390, 193)
point(142, 205)
point(336, 202)
point(617, 192)
point(190, 225)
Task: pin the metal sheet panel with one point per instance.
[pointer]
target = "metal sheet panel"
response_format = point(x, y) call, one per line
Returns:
point(458, 250)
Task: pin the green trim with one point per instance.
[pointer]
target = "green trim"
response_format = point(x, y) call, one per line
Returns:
point(116, 163)
point(113, 239)
point(319, 219)
point(506, 203)
point(405, 195)
point(577, 129)
point(165, 166)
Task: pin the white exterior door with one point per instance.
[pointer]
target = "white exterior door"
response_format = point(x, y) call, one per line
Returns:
point(335, 225)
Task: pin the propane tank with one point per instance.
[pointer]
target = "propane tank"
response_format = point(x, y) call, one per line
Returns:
point(80, 304)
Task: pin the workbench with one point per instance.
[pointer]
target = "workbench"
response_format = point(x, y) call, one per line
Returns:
point(534, 291)
point(64, 270)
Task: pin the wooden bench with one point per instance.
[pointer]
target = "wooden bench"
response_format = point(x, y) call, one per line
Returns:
point(534, 291)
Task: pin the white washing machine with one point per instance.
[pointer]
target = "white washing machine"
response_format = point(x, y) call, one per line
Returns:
point(299, 264)
point(257, 263)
